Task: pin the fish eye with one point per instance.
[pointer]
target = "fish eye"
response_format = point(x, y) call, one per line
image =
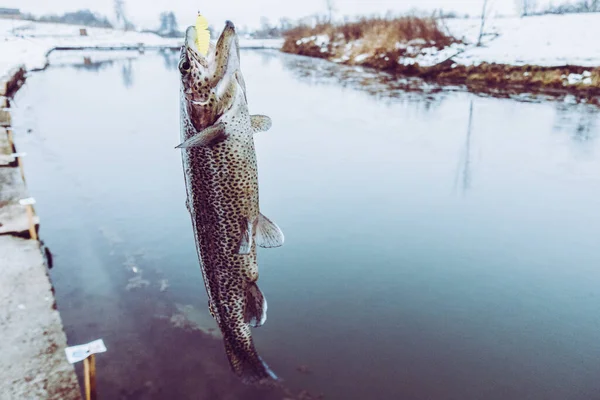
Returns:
point(184, 66)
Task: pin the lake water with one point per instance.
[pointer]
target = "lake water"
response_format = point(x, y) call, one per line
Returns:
point(439, 244)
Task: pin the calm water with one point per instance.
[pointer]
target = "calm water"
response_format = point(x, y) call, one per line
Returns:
point(439, 245)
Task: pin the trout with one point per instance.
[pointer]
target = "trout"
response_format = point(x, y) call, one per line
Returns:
point(220, 170)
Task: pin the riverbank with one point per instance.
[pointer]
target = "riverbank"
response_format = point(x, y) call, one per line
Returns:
point(33, 363)
point(554, 55)
point(28, 44)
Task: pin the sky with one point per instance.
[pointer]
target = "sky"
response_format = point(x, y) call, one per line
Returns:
point(248, 12)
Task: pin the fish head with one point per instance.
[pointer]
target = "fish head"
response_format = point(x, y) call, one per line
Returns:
point(210, 83)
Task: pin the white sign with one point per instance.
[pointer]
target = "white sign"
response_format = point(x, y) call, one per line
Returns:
point(27, 202)
point(80, 353)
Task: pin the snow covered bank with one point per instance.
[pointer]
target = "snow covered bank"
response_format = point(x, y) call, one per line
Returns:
point(548, 41)
point(557, 52)
point(26, 43)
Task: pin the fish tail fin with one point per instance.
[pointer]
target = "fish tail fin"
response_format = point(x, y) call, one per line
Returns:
point(255, 310)
point(247, 364)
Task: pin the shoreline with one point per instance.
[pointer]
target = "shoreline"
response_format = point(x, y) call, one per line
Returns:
point(506, 56)
point(494, 79)
point(33, 364)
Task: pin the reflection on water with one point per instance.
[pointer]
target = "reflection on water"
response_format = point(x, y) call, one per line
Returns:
point(389, 285)
point(170, 57)
point(127, 73)
point(381, 85)
point(463, 178)
point(580, 121)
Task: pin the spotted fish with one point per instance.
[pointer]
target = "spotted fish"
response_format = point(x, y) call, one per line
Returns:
point(220, 171)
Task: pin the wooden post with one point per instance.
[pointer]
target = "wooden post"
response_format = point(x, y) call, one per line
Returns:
point(18, 156)
point(9, 134)
point(32, 231)
point(89, 371)
point(28, 203)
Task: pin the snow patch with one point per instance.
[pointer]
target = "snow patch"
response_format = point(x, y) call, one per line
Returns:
point(546, 40)
point(361, 57)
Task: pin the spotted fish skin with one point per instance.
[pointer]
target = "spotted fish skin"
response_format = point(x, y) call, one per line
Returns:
point(221, 177)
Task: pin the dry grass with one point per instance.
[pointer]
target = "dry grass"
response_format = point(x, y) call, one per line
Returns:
point(370, 35)
point(385, 33)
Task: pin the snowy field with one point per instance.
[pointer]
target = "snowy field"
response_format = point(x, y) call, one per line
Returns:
point(26, 43)
point(547, 40)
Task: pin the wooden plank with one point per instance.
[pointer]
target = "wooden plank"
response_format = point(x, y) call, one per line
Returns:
point(5, 119)
point(3, 102)
point(6, 150)
point(14, 218)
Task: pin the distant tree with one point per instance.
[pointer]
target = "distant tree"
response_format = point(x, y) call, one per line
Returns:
point(568, 7)
point(266, 29)
point(285, 24)
point(80, 17)
point(526, 7)
point(484, 15)
point(168, 24)
point(121, 16)
point(590, 5)
point(331, 9)
point(265, 24)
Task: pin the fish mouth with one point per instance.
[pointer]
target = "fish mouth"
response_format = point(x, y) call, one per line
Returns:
point(222, 57)
point(211, 82)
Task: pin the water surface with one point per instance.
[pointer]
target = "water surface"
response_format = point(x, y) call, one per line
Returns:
point(439, 245)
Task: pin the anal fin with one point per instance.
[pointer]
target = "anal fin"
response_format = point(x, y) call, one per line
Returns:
point(268, 233)
point(255, 312)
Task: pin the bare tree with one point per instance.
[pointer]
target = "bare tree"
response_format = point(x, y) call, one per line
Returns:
point(331, 9)
point(484, 15)
point(168, 24)
point(285, 24)
point(526, 7)
point(121, 16)
point(590, 5)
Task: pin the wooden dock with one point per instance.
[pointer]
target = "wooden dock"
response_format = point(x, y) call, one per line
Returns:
point(33, 364)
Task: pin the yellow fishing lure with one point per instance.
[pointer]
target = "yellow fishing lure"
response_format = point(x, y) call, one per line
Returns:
point(202, 35)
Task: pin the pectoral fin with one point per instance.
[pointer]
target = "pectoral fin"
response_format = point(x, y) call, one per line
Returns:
point(268, 233)
point(255, 312)
point(209, 136)
point(260, 123)
point(245, 244)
